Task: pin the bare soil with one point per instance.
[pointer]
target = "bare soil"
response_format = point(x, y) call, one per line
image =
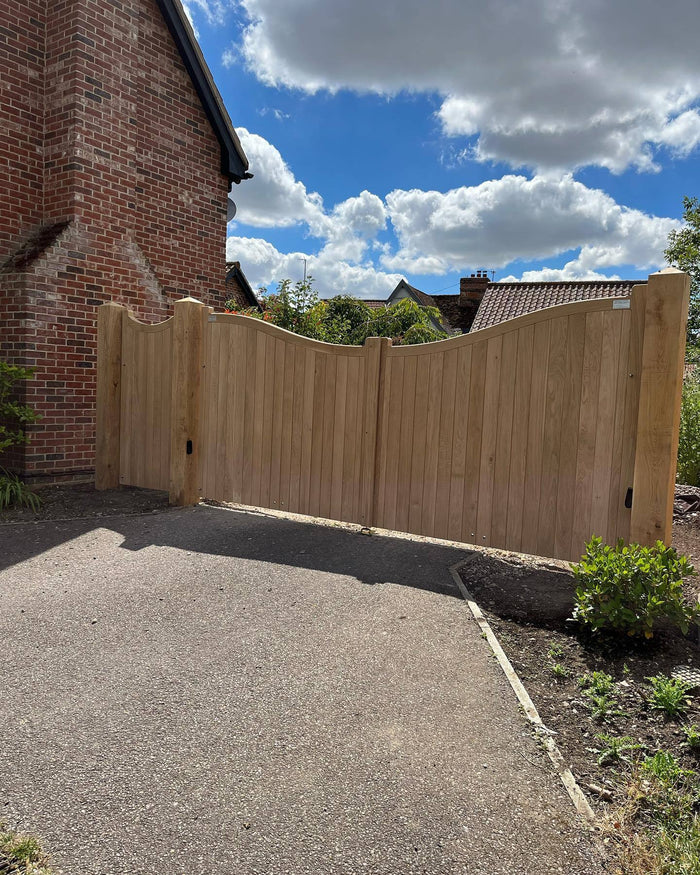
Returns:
point(82, 500)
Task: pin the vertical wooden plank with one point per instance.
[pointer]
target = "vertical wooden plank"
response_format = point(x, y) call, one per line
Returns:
point(518, 455)
point(109, 388)
point(634, 371)
point(373, 460)
point(432, 442)
point(249, 337)
point(405, 443)
point(307, 431)
point(270, 399)
point(665, 320)
point(484, 514)
point(504, 435)
point(455, 530)
point(359, 438)
point(185, 397)
point(551, 446)
point(224, 375)
point(164, 407)
point(566, 482)
point(277, 349)
point(616, 497)
point(317, 437)
point(150, 436)
point(610, 356)
point(420, 426)
point(236, 402)
point(287, 422)
point(475, 419)
point(385, 506)
point(127, 389)
point(448, 404)
point(535, 435)
point(339, 436)
point(329, 393)
point(260, 352)
point(353, 441)
point(296, 436)
point(587, 426)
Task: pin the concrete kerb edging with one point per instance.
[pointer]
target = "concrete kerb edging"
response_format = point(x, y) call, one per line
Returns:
point(570, 785)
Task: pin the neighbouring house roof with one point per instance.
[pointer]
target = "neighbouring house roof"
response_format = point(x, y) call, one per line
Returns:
point(374, 304)
point(238, 287)
point(404, 289)
point(234, 163)
point(504, 301)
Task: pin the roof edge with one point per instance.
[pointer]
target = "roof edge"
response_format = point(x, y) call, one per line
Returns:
point(234, 163)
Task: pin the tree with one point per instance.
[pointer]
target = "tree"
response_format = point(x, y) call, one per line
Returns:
point(343, 319)
point(683, 252)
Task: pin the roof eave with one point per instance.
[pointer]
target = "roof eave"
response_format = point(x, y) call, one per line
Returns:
point(234, 163)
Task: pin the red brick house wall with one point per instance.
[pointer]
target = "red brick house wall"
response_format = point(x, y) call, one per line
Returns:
point(116, 193)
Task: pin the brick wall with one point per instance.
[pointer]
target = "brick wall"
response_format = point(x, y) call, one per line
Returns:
point(116, 193)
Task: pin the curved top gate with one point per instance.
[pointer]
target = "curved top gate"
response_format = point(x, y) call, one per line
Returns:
point(531, 435)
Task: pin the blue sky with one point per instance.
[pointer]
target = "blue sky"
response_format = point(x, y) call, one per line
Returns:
point(540, 139)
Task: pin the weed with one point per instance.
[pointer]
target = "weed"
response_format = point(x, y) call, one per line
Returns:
point(597, 683)
point(669, 695)
point(692, 737)
point(556, 651)
point(560, 671)
point(626, 589)
point(615, 748)
point(603, 707)
point(21, 854)
point(14, 491)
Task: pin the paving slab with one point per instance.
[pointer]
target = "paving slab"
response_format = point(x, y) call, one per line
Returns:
point(208, 691)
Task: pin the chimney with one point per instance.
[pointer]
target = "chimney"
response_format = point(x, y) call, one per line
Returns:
point(472, 288)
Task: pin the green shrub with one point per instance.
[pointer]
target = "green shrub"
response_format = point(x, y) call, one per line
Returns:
point(14, 416)
point(688, 470)
point(14, 491)
point(627, 589)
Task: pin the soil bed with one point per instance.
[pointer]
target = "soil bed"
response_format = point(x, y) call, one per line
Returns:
point(82, 500)
point(527, 602)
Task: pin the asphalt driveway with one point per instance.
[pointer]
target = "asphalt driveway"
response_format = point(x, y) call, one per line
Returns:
point(207, 691)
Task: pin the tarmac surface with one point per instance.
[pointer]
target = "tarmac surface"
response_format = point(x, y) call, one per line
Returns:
point(211, 691)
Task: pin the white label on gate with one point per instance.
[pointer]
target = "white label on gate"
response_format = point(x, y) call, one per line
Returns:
point(622, 304)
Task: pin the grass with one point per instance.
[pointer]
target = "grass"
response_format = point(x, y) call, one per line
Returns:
point(21, 854)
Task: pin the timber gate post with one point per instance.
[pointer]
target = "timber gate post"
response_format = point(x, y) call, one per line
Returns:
point(185, 449)
point(109, 383)
point(663, 351)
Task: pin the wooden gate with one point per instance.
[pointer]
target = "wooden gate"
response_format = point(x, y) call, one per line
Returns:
point(531, 435)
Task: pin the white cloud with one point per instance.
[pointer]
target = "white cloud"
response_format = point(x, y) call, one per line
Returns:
point(543, 83)
point(515, 218)
point(264, 265)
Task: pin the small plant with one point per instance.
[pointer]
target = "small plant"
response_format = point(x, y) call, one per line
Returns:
point(597, 682)
point(556, 651)
point(688, 467)
point(560, 671)
point(627, 589)
point(692, 737)
point(21, 854)
point(604, 707)
point(669, 695)
point(616, 748)
point(15, 491)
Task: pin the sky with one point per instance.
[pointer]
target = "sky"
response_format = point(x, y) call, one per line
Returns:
point(389, 139)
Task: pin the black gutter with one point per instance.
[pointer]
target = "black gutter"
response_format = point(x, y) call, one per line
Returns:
point(234, 163)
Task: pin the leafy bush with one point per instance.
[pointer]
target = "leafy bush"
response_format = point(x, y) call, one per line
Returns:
point(688, 469)
point(627, 589)
point(14, 416)
point(343, 319)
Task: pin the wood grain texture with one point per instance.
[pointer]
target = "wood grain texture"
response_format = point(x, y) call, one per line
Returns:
point(109, 382)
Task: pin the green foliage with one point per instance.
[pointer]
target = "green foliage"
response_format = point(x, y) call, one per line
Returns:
point(14, 491)
point(14, 416)
point(597, 682)
point(692, 736)
point(560, 671)
point(615, 749)
point(688, 468)
point(683, 252)
point(627, 589)
point(21, 854)
point(343, 319)
point(669, 695)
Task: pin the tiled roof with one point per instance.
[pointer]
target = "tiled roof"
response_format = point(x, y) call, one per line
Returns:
point(374, 304)
point(503, 301)
point(238, 287)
